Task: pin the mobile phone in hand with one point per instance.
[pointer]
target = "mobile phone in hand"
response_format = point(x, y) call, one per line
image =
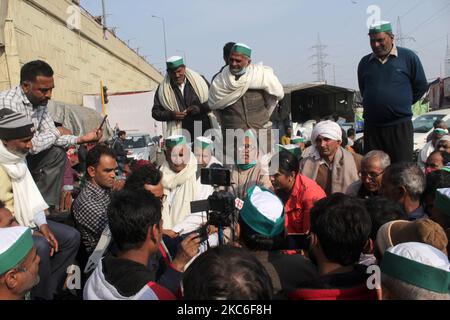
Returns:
point(103, 122)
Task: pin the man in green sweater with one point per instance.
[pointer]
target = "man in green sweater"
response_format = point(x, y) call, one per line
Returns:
point(391, 80)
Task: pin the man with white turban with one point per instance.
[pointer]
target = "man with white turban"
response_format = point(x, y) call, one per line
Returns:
point(330, 165)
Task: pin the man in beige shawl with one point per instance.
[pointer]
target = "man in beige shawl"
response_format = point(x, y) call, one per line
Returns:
point(181, 100)
point(244, 95)
point(179, 181)
point(330, 165)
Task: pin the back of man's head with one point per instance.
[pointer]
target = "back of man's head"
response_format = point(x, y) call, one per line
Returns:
point(350, 132)
point(227, 273)
point(406, 176)
point(342, 226)
point(94, 155)
point(438, 179)
point(254, 241)
point(261, 220)
point(287, 162)
point(381, 211)
point(227, 50)
point(147, 174)
point(344, 138)
point(130, 215)
point(440, 124)
point(33, 69)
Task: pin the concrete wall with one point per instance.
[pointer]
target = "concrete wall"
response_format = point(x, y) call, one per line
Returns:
point(37, 29)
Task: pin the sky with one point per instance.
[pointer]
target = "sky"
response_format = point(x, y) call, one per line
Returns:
point(280, 32)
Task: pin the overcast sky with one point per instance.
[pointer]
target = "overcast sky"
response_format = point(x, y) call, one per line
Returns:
point(280, 32)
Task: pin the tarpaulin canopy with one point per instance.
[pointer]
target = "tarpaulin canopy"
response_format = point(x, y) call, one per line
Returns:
point(80, 120)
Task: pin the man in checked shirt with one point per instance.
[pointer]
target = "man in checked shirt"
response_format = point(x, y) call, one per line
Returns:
point(47, 158)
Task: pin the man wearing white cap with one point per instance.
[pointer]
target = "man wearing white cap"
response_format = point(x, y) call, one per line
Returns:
point(181, 100)
point(330, 165)
point(244, 95)
point(203, 150)
point(443, 144)
point(439, 131)
point(179, 181)
point(415, 271)
point(391, 80)
point(203, 153)
point(19, 263)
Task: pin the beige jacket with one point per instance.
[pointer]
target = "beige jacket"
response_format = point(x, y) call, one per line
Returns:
point(345, 169)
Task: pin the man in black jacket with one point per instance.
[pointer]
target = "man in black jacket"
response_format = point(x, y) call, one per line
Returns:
point(181, 100)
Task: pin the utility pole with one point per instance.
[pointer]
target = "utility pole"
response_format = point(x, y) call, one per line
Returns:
point(401, 39)
point(320, 60)
point(447, 61)
point(105, 28)
point(334, 74)
point(164, 34)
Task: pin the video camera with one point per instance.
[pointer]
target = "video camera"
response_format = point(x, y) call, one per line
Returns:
point(220, 206)
point(216, 176)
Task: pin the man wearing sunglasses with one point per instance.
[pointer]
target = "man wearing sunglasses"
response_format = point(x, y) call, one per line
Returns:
point(46, 159)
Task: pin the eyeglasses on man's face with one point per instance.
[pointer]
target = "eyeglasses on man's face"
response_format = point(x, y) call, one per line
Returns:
point(371, 175)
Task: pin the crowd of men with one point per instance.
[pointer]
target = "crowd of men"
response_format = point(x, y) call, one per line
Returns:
point(301, 218)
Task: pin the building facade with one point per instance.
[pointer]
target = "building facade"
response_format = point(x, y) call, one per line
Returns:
point(75, 44)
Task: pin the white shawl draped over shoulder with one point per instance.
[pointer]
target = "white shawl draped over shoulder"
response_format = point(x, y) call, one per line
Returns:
point(169, 101)
point(180, 189)
point(226, 90)
point(28, 200)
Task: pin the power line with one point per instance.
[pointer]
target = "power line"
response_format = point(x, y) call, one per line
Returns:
point(412, 9)
point(392, 7)
point(447, 61)
point(439, 12)
point(432, 41)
